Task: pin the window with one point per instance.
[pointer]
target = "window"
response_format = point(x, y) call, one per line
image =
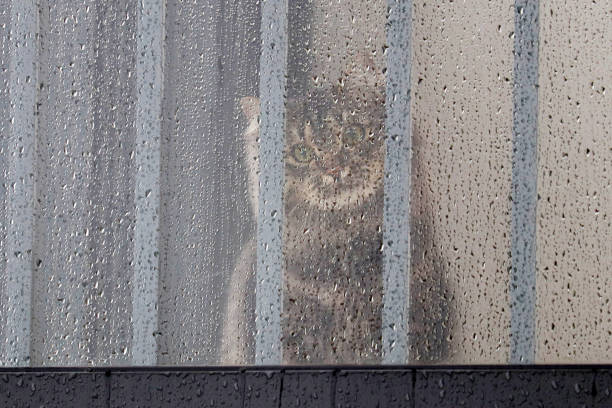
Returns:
point(304, 182)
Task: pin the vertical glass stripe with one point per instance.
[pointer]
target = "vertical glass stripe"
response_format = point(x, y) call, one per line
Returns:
point(396, 216)
point(272, 82)
point(20, 192)
point(149, 82)
point(524, 183)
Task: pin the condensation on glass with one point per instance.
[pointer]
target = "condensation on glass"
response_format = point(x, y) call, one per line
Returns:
point(574, 256)
point(300, 182)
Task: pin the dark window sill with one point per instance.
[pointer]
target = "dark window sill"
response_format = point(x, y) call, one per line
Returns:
point(328, 386)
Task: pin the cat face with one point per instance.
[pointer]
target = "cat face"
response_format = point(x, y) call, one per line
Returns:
point(333, 146)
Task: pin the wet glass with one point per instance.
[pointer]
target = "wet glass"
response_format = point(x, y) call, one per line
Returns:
point(304, 182)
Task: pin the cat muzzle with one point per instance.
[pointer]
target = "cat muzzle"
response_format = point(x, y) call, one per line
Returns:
point(335, 172)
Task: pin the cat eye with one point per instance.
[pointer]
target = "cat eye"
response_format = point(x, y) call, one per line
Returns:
point(302, 153)
point(353, 134)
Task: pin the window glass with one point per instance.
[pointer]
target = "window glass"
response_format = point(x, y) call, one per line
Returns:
point(304, 182)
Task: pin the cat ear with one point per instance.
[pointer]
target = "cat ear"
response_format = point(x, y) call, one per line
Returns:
point(250, 107)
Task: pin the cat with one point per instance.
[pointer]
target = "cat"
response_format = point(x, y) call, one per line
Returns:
point(332, 232)
point(332, 236)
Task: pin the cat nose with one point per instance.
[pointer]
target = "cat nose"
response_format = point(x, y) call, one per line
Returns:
point(334, 171)
point(335, 164)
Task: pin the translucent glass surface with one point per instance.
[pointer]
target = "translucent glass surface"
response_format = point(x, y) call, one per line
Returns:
point(574, 185)
point(462, 139)
point(304, 182)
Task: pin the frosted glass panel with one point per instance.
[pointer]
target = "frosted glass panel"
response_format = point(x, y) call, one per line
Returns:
point(462, 169)
point(304, 182)
point(574, 179)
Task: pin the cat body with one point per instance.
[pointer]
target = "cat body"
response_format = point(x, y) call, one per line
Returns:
point(332, 236)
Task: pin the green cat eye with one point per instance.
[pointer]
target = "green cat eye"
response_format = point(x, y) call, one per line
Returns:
point(303, 153)
point(353, 134)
